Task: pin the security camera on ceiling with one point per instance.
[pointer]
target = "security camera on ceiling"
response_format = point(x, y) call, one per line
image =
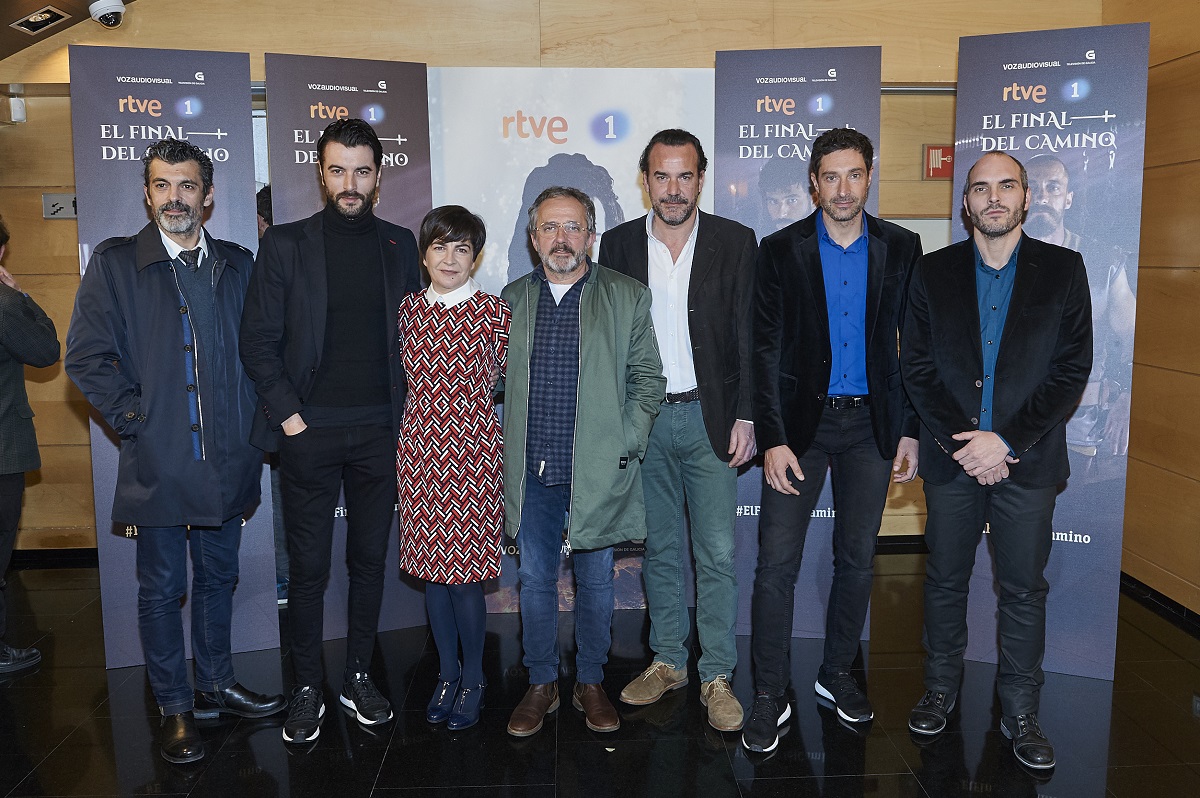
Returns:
point(108, 13)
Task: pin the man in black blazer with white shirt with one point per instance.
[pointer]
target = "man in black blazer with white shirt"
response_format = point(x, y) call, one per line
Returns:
point(700, 269)
point(996, 351)
point(827, 392)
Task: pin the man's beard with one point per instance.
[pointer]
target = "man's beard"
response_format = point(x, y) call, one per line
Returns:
point(366, 203)
point(837, 214)
point(576, 261)
point(997, 228)
point(183, 225)
point(674, 210)
point(1043, 222)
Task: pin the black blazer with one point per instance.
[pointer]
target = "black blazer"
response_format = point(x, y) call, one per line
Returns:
point(792, 355)
point(718, 312)
point(1042, 368)
point(27, 337)
point(283, 323)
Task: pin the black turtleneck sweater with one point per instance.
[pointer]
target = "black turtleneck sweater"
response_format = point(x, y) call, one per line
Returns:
point(353, 382)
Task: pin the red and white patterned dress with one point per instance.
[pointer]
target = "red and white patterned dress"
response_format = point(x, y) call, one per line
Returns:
point(449, 457)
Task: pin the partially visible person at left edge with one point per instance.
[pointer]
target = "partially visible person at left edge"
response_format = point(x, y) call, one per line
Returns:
point(27, 337)
point(153, 345)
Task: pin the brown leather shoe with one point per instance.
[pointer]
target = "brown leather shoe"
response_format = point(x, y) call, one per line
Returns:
point(539, 701)
point(598, 711)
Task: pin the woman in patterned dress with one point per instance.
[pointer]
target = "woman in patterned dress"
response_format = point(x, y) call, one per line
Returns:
point(454, 338)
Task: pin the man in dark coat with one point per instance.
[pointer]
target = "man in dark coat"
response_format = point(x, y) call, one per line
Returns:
point(826, 379)
point(319, 339)
point(27, 338)
point(996, 351)
point(153, 346)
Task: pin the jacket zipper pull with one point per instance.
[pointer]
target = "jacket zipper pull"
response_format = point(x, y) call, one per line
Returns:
point(566, 547)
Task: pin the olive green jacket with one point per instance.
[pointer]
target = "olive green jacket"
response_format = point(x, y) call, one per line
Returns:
point(621, 387)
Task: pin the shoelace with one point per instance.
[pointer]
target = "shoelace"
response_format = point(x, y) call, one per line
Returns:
point(305, 704)
point(763, 705)
point(365, 690)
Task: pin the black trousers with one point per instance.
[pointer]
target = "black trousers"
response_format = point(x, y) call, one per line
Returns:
point(1021, 531)
point(845, 444)
point(12, 487)
point(314, 467)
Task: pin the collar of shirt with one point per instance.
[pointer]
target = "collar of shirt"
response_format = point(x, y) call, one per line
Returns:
point(174, 249)
point(455, 297)
point(988, 270)
point(669, 281)
point(854, 247)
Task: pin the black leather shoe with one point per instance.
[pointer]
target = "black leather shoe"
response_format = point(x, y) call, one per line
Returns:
point(15, 660)
point(1030, 746)
point(930, 714)
point(237, 700)
point(179, 740)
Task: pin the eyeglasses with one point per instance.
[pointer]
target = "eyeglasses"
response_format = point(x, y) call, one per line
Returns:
point(552, 228)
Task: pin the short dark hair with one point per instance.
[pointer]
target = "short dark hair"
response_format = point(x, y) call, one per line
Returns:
point(175, 151)
point(1020, 167)
point(350, 133)
point(263, 202)
point(3, 232)
point(452, 223)
point(673, 137)
point(780, 174)
point(840, 138)
point(556, 192)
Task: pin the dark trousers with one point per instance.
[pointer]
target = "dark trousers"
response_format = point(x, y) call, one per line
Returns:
point(845, 443)
point(12, 487)
point(1020, 533)
point(162, 583)
point(314, 466)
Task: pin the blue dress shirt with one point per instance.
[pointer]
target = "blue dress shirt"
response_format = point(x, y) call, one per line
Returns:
point(993, 290)
point(845, 273)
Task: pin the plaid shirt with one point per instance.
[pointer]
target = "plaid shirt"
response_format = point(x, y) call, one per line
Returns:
point(553, 385)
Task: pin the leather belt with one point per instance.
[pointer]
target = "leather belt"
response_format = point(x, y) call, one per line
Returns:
point(682, 398)
point(846, 402)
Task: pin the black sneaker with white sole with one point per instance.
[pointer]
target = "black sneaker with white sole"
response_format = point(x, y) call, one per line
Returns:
point(840, 688)
point(303, 724)
point(360, 694)
point(761, 732)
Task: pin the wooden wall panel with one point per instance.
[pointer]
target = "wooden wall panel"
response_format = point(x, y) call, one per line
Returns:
point(633, 33)
point(1156, 435)
point(1166, 319)
point(1174, 26)
point(58, 511)
point(1160, 529)
point(1173, 110)
point(38, 152)
point(1170, 211)
point(919, 37)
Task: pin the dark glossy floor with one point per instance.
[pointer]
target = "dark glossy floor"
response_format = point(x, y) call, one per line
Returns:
point(72, 728)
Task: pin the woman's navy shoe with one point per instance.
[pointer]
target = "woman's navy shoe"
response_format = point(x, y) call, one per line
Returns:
point(442, 701)
point(466, 708)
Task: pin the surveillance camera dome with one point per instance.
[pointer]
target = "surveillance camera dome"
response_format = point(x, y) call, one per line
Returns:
point(108, 13)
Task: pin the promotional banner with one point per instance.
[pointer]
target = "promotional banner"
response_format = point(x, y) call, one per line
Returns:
point(507, 134)
point(306, 93)
point(772, 105)
point(122, 101)
point(1071, 106)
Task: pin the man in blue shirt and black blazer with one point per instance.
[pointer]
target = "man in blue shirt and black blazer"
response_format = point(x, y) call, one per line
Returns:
point(826, 381)
point(996, 351)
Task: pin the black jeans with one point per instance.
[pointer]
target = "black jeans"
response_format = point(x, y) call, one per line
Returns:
point(12, 487)
point(314, 467)
point(845, 443)
point(1021, 532)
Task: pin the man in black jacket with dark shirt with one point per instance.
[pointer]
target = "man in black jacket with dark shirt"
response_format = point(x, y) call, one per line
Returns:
point(319, 340)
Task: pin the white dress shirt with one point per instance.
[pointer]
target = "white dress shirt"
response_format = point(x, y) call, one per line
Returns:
point(668, 280)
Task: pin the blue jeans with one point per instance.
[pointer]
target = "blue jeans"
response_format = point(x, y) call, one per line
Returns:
point(540, 538)
point(680, 463)
point(845, 443)
point(162, 583)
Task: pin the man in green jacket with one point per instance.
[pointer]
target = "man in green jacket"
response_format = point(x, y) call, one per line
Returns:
point(583, 385)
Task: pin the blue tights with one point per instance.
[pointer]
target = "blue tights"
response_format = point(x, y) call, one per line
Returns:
point(457, 614)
